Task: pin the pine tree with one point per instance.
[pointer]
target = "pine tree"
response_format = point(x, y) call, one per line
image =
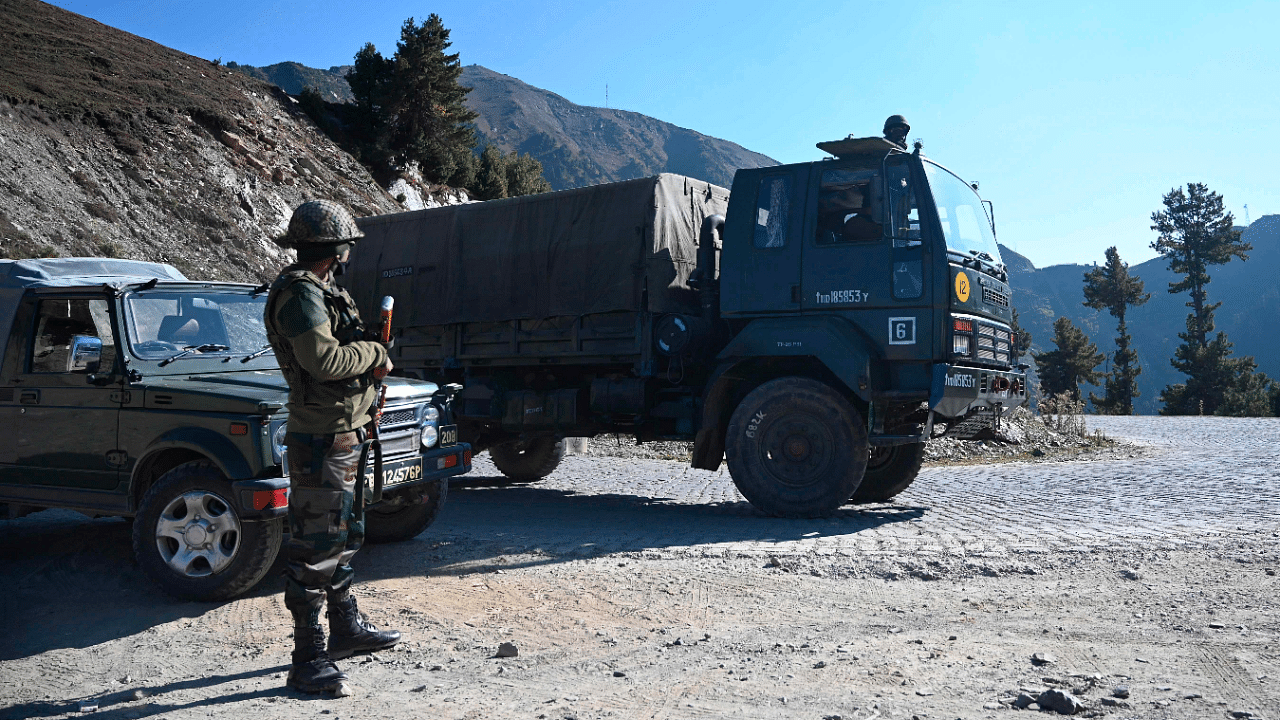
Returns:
point(491, 180)
point(428, 121)
point(1195, 232)
point(1021, 337)
point(1075, 361)
point(524, 176)
point(1112, 288)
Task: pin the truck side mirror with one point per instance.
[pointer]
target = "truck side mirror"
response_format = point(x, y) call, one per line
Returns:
point(86, 353)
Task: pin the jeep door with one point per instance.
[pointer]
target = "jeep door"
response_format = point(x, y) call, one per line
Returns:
point(66, 427)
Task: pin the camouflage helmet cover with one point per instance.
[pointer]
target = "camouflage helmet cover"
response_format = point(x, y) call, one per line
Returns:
point(320, 222)
point(895, 120)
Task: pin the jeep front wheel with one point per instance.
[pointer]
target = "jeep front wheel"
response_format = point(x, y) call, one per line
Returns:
point(189, 539)
point(796, 448)
point(404, 518)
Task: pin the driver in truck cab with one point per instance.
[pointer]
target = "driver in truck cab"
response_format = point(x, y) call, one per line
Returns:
point(317, 335)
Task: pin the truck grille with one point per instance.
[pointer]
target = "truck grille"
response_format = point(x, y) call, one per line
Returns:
point(995, 344)
point(992, 296)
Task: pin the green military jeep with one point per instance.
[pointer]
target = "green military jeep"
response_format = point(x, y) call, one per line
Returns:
point(128, 390)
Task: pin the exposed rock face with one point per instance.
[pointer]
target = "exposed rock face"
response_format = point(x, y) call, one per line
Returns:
point(152, 154)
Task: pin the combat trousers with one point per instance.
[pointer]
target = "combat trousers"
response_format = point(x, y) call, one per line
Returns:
point(326, 520)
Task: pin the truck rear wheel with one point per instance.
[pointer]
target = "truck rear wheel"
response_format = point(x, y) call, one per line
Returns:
point(189, 539)
point(397, 521)
point(528, 460)
point(890, 470)
point(796, 448)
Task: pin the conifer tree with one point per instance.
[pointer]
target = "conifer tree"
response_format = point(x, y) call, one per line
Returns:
point(1112, 288)
point(1075, 361)
point(1195, 232)
point(429, 122)
point(1021, 337)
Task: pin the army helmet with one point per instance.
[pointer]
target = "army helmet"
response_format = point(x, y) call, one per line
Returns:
point(895, 120)
point(320, 223)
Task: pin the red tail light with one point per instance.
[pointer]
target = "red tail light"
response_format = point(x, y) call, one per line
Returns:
point(263, 499)
point(963, 325)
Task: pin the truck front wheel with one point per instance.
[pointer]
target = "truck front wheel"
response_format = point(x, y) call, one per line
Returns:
point(890, 470)
point(400, 519)
point(189, 539)
point(528, 460)
point(796, 448)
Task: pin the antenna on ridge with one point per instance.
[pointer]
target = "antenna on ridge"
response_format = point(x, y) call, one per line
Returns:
point(1246, 213)
point(606, 97)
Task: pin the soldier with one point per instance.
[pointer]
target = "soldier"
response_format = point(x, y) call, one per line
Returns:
point(896, 129)
point(316, 332)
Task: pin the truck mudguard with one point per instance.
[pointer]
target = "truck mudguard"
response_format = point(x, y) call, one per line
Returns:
point(835, 342)
point(207, 442)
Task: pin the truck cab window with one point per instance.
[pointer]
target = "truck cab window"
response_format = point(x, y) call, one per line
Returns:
point(845, 208)
point(904, 215)
point(73, 335)
point(772, 206)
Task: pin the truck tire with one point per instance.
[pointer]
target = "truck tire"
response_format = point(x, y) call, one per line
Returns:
point(388, 523)
point(528, 460)
point(189, 539)
point(796, 448)
point(890, 470)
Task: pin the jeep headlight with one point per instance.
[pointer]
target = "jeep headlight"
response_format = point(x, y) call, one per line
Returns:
point(430, 426)
point(277, 442)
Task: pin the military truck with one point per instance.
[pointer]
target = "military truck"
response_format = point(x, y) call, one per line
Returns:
point(128, 390)
point(816, 326)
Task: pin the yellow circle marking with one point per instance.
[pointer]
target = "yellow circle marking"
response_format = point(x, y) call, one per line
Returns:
point(962, 286)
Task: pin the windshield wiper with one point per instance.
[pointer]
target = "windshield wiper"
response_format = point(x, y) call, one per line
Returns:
point(254, 355)
point(207, 347)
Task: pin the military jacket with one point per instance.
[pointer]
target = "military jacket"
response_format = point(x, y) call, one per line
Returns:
point(316, 332)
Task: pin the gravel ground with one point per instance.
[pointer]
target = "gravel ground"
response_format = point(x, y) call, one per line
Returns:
point(1143, 585)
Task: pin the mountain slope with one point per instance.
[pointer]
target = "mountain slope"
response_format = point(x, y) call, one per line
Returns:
point(1248, 292)
point(577, 145)
point(115, 145)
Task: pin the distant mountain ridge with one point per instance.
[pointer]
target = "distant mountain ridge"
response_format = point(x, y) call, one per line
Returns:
point(576, 144)
point(1248, 291)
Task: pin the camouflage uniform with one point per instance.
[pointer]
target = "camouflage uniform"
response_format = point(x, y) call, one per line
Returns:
point(316, 332)
point(318, 338)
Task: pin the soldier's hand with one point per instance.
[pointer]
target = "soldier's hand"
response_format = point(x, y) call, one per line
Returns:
point(381, 371)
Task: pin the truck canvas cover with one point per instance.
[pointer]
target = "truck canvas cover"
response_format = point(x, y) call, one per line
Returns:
point(575, 252)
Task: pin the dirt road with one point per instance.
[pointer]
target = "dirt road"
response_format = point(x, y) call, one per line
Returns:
point(641, 589)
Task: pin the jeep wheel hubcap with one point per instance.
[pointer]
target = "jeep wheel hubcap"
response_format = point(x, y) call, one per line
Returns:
point(197, 534)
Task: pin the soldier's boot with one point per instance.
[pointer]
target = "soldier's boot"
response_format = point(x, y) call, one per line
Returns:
point(349, 633)
point(313, 670)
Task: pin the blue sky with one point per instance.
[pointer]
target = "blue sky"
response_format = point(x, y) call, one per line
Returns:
point(1076, 120)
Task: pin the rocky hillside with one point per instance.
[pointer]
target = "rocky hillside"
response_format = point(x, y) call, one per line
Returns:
point(113, 145)
point(577, 145)
point(1248, 292)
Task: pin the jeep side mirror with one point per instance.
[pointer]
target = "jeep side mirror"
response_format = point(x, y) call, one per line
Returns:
point(86, 353)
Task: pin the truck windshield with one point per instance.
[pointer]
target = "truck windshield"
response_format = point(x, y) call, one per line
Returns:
point(162, 322)
point(964, 220)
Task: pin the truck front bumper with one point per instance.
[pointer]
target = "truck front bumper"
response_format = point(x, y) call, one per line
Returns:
point(960, 392)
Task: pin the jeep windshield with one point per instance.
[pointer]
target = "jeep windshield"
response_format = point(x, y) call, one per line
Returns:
point(964, 220)
point(170, 324)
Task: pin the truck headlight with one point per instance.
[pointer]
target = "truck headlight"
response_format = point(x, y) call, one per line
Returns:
point(430, 436)
point(961, 344)
point(430, 415)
